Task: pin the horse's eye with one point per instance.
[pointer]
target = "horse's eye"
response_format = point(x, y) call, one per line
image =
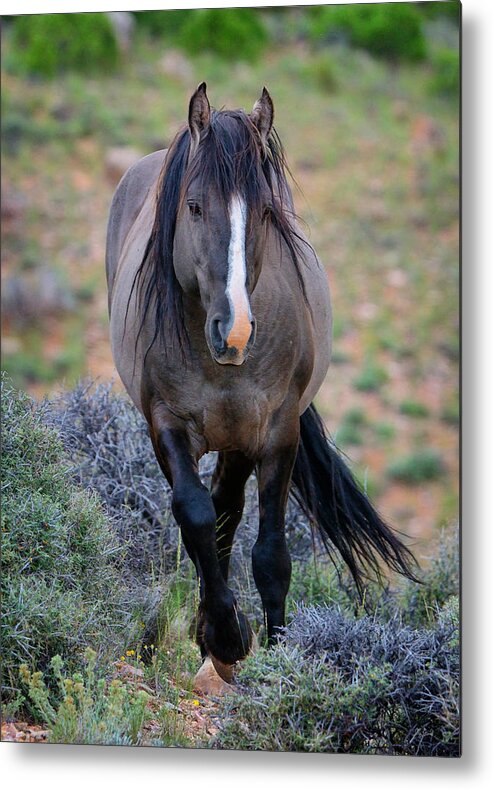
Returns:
point(195, 209)
point(266, 213)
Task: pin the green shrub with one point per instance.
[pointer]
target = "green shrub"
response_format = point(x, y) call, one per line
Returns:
point(421, 466)
point(231, 33)
point(86, 709)
point(166, 24)
point(49, 43)
point(435, 10)
point(321, 71)
point(421, 603)
point(451, 411)
point(446, 73)
point(61, 583)
point(371, 378)
point(413, 408)
point(384, 431)
point(349, 431)
point(386, 30)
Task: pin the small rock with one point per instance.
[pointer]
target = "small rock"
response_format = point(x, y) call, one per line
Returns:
point(118, 160)
point(123, 24)
point(174, 64)
point(13, 205)
point(43, 292)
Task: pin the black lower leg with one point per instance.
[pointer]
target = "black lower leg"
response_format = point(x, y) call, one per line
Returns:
point(224, 630)
point(228, 496)
point(270, 556)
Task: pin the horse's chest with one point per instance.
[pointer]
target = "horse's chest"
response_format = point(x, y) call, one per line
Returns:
point(234, 422)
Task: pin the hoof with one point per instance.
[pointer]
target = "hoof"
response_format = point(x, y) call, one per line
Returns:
point(208, 681)
point(225, 671)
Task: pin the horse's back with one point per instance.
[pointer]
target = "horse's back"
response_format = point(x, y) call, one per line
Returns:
point(126, 206)
point(318, 298)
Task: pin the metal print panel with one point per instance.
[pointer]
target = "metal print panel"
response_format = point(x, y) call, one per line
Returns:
point(230, 399)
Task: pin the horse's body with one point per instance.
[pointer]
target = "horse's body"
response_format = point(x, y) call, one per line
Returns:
point(221, 333)
point(290, 339)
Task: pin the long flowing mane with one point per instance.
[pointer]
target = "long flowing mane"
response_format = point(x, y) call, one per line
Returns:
point(229, 158)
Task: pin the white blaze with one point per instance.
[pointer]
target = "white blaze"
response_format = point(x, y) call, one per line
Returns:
point(236, 291)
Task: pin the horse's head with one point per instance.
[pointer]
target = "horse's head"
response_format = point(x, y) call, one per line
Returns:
point(223, 188)
point(220, 226)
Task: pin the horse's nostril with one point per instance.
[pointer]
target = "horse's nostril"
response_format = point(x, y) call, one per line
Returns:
point(217, 335)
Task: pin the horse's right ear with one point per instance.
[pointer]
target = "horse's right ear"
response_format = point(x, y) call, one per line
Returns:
point(199, 113)
point(262, 116)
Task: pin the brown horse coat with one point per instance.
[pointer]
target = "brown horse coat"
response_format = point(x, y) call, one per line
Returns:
point(289, 337)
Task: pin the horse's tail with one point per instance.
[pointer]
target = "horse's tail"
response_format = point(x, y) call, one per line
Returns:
point(331, 498)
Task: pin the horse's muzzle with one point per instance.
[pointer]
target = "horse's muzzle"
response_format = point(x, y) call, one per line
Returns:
point(227, 351)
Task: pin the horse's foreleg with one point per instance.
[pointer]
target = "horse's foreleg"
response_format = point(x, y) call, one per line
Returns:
point(228, 495)
point(225, 631)
point(270, 555)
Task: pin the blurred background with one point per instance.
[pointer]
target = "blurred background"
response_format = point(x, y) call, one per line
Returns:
point(367, 105)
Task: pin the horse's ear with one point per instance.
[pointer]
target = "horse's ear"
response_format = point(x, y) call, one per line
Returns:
point(199, 113)
point(263, 115)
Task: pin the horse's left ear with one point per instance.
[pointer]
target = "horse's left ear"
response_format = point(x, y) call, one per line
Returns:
point(199, 113)
point(263, 115)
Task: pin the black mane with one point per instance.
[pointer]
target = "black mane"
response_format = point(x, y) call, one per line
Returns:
point(230, 158)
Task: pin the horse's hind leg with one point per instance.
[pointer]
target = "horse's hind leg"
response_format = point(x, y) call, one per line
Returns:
point(270, 555)
point(228, 496)
point(226, 633)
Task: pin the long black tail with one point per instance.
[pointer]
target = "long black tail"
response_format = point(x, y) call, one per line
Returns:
point(330, 496)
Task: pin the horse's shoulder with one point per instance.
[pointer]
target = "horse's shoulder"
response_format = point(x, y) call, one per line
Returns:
point(127, 202)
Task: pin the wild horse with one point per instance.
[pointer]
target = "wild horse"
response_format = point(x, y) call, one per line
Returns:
point(221, 332)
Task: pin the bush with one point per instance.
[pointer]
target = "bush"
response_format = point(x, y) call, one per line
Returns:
point(371, 378)
point(321, 70)
point(49, 43)
point(341, 684)
point(445, 10)
point(421, 466)
point(349, 431)
point(84, 709)
point(421, 603)
point(446, 73)
point(166, 24)
point(232, 34)
point(386, 30)
point(61, 583)
point(414, 409)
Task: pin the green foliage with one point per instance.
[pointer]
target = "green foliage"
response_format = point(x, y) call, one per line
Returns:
point(439, 9)
point(371, 378)
point(421, 466)
point(61, 584)
point(321, 70)
point(386, 30)
point(413, 408)
point(86, 709)
point(446, 73)
point(451, 411)
point(421, 603)
point(349, 431)
point(46, 44)
point(231, 33)
point(384, 431)
point(166, 24)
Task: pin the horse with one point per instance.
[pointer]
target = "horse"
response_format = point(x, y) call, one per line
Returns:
point(220, 325)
